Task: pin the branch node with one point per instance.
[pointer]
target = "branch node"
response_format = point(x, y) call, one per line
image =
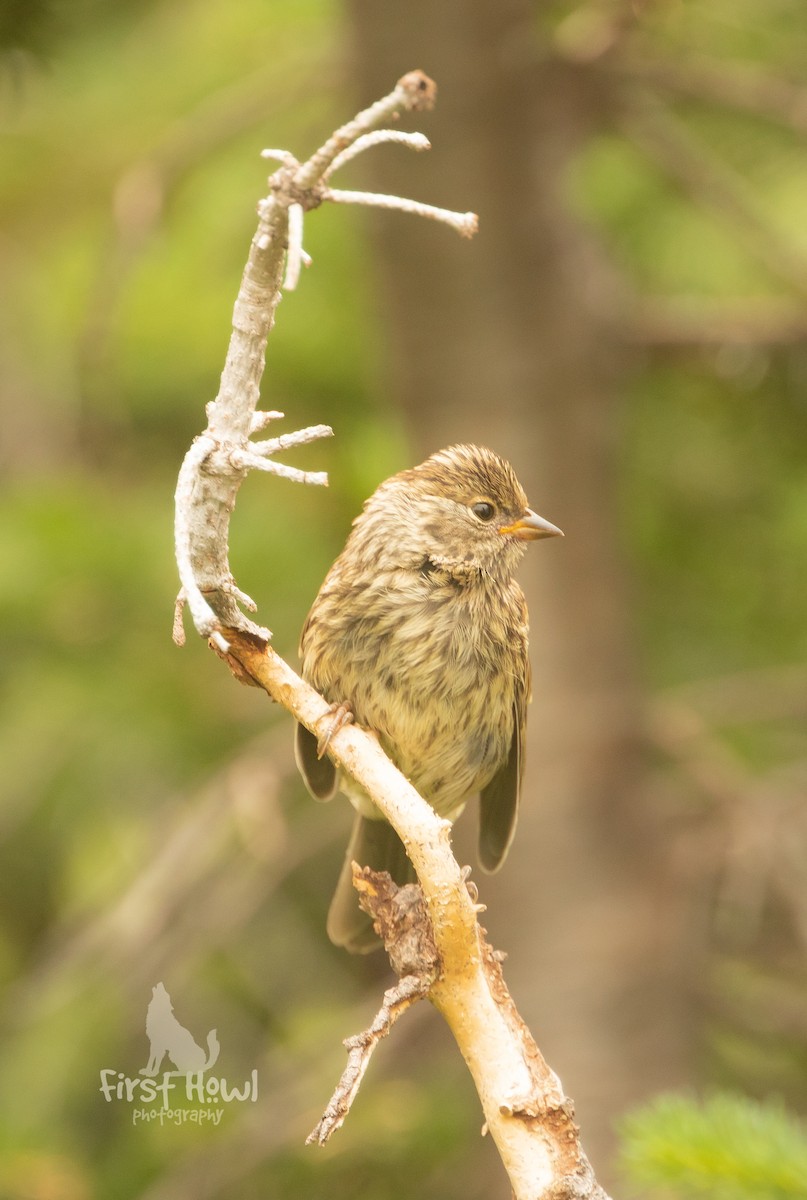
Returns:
point(259, 420)
point(401, 920)
point(231, 588)
point(282, 156)
point(219, 641)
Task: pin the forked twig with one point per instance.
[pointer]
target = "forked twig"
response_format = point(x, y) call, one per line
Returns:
point(401, 919)
point(220, 458)
point(360, 1047)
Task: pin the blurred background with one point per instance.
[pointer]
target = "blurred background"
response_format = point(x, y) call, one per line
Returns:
point(629, 327)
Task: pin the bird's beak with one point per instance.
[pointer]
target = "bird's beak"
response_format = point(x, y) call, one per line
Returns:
point(530, 527)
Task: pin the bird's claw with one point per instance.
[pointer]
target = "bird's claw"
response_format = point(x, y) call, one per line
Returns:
point(473, 891)
point(340, 715)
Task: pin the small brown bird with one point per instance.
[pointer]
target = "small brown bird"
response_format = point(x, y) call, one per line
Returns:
point(420, 631)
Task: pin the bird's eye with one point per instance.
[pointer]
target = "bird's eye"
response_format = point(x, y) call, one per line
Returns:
point(483, 510)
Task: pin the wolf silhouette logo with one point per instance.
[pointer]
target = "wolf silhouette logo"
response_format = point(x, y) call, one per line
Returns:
point(167, 1036)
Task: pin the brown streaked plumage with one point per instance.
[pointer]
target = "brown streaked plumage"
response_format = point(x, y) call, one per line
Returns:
point(420, 629)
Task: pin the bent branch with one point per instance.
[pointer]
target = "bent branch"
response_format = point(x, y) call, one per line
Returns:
point(525, 1108)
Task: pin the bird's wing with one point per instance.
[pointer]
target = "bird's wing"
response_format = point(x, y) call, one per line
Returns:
point(319, 774)
point(498, 807)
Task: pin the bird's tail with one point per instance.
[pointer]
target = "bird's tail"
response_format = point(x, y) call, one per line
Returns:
point(372, 844)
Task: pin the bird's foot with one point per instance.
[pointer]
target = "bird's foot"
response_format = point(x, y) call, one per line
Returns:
point(338, 715)
point(472, 890)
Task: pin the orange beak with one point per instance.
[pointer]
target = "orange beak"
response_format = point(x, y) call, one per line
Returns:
point(530, 527)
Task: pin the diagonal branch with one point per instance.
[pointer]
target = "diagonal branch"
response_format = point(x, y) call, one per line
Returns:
point(525, 1108)
point(360, 1047)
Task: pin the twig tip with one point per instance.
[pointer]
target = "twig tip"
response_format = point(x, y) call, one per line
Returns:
point(469, 225)
point(421, 91)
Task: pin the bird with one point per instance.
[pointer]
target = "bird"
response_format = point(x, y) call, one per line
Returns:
point(419, 633)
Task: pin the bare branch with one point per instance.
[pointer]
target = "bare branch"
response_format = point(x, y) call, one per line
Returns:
point(525, 1108)
point(295, 251)
point(300, 437)
point(526, 1111)
point(465, 223)
point(190, 593)
point(260, 420)
point(415, 92)
point(415, 141)
point(360, 1047)
point(282, 156)
point(220, 459)
point(402, 922)
point(246, 461)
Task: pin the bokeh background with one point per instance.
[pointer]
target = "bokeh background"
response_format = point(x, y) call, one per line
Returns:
point(630, 328)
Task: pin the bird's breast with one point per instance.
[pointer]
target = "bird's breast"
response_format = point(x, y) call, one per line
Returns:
point(428, 666)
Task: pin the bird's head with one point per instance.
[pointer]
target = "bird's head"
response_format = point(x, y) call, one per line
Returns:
point(461, 509)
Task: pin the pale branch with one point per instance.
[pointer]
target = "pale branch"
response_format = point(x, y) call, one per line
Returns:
point(400, 919)
point(360, 1047)
point(219, 460)
point(190, 593)
point(465, 223)
point(415, 141)
point(526, 1111)
point(281, 156)
point(243, 460)
point(294, 258)
point(260, 420)
point(414, 92)
point(286, 440)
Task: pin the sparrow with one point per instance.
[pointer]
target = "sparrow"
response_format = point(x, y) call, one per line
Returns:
point(419, 633)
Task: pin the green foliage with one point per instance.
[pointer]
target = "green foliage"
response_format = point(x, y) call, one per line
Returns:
point(129, 178)
point(725, 1148)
